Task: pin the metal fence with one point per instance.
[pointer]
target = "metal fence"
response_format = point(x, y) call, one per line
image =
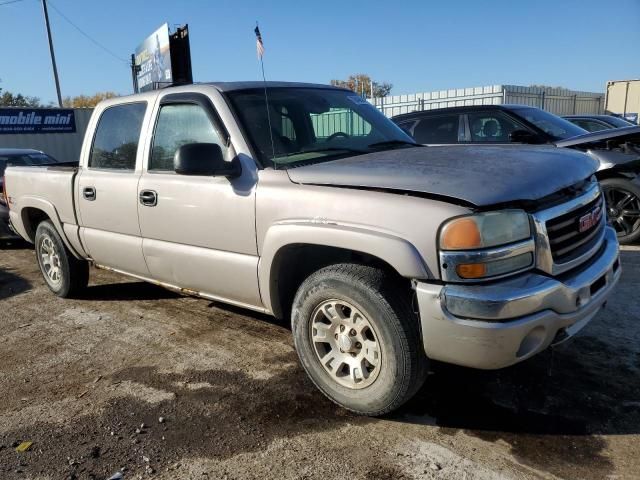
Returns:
point(555, 100)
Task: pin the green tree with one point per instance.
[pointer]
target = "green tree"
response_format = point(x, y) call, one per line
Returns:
point(8, 99)
point(362, 84)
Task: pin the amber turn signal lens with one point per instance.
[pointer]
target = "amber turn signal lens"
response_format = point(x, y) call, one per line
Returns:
point(461, 234)
point(471, 270)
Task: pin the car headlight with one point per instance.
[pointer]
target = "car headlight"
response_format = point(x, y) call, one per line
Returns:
point(486, 245)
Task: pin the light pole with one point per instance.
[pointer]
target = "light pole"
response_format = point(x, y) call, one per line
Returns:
point(53, 56)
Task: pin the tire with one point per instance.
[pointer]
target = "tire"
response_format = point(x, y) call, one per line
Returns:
point(383, 321)
point(623, 208)
point(64, 274)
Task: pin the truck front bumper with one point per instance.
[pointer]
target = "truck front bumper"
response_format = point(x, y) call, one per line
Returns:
point(499, 324)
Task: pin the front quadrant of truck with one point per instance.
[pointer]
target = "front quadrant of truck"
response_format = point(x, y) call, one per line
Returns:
point(315, 207)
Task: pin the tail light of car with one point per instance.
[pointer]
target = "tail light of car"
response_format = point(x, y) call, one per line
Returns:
point(4, 198)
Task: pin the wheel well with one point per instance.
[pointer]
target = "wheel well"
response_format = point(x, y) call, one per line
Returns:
point(607, 174)
point(31, 218)
point(294, 263)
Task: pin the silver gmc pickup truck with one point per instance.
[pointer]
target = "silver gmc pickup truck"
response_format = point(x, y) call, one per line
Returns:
point(304, 202)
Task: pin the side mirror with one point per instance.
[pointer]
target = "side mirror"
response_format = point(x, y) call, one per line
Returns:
point(523, 136)
point(204, 159)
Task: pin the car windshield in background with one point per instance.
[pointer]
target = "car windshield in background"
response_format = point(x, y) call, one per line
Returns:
point(618, 122)
point(557, 127)
point(24, 159)
point(310, 125)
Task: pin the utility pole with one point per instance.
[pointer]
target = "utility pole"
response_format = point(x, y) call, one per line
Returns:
point(53, 57)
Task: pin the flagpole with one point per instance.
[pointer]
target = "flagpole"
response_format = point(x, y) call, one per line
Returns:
point(266, 101)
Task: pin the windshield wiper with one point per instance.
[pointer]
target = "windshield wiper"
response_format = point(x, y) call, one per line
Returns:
point(393, 143)
point(321, 150)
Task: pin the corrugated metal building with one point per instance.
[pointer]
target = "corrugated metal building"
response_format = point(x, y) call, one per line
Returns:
point(63, 146)
point(623, 98)
point(555, 100)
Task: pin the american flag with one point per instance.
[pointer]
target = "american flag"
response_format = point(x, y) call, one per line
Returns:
point(259, 44)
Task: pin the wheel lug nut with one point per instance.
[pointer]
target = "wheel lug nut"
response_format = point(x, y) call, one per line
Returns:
point(342, 328)
point(352, 332)
point(358, 345)
point(336, 336)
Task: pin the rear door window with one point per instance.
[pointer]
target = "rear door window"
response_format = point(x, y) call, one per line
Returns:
point(591, 125)
point(115, 143)
point(440, 129)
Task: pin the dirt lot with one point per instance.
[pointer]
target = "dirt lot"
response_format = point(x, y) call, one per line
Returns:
point(88, 380)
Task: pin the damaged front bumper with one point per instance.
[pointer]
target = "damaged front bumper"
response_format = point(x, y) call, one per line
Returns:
point(495, 325)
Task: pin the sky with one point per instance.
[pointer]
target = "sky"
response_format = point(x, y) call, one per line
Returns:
point(417, 45)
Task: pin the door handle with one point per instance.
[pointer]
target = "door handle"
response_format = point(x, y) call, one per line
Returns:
point(148, 198)
point(89, 193)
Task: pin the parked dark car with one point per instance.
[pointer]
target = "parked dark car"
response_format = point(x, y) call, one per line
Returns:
point(596, 123)
point(617, 150)
point(17, 157)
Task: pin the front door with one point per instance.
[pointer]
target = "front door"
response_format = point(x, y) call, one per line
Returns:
point(199, 231)
point(107, 195)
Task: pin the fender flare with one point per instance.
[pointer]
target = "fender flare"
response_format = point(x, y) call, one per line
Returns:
point(397, 252)
point(50, 210)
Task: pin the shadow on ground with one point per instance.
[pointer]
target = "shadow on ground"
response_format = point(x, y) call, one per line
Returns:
point(12, 284)
point(209, 414)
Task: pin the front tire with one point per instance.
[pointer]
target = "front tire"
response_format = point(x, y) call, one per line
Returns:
point(64, 274)
point(358, 339)
point(623, 208)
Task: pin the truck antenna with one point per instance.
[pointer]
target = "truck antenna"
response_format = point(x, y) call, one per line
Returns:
point(260, 51)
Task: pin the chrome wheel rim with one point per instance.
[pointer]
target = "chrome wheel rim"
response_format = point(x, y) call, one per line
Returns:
point(346, 344)
point(50, 261)
point(623, 210)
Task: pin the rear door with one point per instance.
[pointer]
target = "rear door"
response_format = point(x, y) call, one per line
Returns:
point(107, 195)
point(199, 231)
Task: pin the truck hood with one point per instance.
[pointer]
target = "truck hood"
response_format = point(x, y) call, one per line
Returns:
point(599, 139)
point(479, 175)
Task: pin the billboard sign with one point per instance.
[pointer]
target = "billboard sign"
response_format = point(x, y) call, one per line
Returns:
point(37, 120)
point(153, 61)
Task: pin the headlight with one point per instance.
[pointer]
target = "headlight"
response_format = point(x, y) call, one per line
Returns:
point(485, 230)
point(486, 245)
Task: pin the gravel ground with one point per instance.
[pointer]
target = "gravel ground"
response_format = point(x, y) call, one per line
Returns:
point(137, 379)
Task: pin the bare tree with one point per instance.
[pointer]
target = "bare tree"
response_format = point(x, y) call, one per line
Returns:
point(362, 84)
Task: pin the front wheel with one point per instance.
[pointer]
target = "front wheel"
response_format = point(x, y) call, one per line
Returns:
point(623, 208)
point(65, 274)
point(358, 339)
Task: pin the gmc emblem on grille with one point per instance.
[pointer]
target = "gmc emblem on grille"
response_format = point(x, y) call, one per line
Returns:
point(590, 220)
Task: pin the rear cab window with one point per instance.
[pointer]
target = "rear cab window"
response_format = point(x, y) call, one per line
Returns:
point(115, 143)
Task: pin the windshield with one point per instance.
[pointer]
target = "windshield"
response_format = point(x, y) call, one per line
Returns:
point(557, 127)
point(22, 159)
point(310, 125)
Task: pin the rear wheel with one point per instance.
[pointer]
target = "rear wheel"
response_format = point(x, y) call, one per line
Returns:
point(623, 208)
point(65, 274)
point(358, 339)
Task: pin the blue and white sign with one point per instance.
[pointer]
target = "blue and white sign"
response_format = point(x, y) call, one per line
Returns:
point(37, 120)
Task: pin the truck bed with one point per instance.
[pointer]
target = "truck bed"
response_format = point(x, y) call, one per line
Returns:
point(34, 186)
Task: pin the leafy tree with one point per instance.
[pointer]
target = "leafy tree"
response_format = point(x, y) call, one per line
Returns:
point(87, 101)
point(8, 99)
point(362, 84)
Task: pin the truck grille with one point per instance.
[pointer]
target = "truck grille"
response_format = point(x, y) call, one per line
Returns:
point(576, 232)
